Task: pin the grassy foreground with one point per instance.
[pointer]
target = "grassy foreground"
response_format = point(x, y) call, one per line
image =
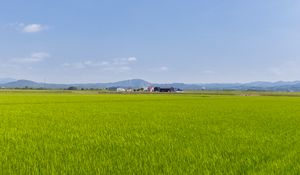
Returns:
point(51, 133)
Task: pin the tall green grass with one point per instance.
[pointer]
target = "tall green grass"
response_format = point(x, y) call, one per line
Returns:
point(44, 133)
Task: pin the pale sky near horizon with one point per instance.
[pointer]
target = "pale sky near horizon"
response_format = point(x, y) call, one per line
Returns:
point(193, 41)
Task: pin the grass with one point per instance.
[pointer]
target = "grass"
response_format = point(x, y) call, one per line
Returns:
point(67, 133)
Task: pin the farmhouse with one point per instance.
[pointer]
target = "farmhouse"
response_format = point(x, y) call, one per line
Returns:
point(159, 89)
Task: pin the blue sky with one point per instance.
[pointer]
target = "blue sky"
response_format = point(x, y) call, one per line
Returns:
point(194, 41)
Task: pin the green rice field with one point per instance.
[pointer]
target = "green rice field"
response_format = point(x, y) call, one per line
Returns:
point(73, 133)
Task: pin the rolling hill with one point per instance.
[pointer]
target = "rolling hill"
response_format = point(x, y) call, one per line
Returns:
point(139, 83)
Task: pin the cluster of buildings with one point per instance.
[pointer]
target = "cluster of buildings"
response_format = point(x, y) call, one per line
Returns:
point(148, 89)
point(160, 89)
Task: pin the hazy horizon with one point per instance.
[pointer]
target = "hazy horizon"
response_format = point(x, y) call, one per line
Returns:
point(157, 41)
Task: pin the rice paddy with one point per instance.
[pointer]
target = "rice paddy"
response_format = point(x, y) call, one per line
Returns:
point(69, 133)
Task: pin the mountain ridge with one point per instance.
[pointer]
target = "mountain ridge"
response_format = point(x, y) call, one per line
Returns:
point(140, 83)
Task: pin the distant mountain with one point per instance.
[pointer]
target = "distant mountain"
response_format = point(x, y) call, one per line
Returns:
point(139, 83)
point(271, 84)
point(134, 83)
point(21, 84)
point(6, 80)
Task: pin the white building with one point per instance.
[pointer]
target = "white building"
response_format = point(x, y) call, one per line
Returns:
point(121, 90)
point(150, 89)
